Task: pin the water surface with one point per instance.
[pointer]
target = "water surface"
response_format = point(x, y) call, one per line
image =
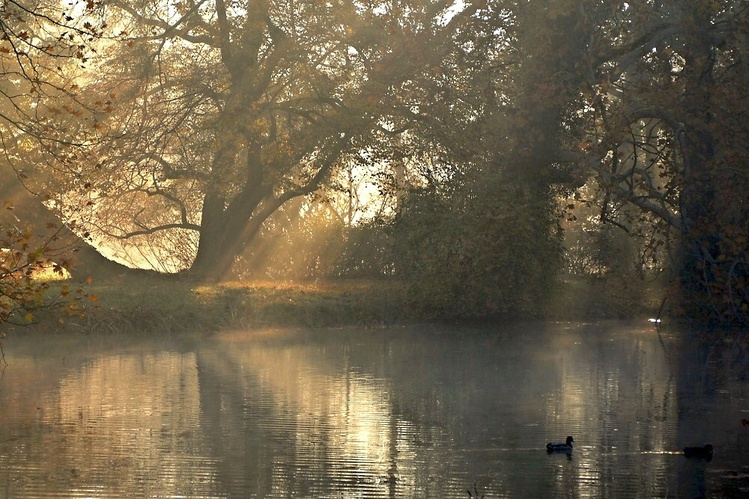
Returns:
point(428, 412)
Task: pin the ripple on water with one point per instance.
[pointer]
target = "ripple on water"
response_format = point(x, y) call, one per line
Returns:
point(401, 413)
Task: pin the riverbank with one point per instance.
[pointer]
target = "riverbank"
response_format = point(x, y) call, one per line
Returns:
point(157, 306)
point(148, 305)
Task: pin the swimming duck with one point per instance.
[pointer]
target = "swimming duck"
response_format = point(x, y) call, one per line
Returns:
point(705, 452)
point(560, 447)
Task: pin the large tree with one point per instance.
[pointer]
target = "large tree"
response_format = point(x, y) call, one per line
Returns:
point(666, 132)
point(224, 111)
point(645, 103)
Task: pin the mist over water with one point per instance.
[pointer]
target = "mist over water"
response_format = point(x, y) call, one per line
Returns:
point(396, 412)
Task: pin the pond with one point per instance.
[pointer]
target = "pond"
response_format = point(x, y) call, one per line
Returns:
point(411, 412)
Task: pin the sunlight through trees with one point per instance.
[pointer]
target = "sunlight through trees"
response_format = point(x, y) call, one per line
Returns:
point(466, 147)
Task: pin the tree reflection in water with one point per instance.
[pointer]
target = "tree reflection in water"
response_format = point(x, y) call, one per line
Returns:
point(402, 412)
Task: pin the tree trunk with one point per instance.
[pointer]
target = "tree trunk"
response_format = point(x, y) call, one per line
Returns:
point(226, 229)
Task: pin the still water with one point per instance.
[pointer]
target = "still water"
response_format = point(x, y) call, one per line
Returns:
point(429, 412)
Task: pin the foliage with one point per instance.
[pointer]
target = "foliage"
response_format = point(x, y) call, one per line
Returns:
point(480, 250)
point(26, 274)
point(661, 136)
point(43, 47)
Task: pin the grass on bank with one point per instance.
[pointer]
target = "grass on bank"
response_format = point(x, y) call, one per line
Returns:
point(152, 305)
point(158, 306)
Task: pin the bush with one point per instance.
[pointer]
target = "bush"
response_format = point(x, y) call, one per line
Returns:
point(485, 250)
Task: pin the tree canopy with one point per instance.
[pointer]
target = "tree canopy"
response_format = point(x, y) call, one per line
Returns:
point(227, 111)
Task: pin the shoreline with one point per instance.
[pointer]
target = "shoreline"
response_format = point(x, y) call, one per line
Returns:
point(154, 306)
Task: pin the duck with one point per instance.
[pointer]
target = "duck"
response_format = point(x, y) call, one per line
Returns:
point(560, 447)
point(705, 452)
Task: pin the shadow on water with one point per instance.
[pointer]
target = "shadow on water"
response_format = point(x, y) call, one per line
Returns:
point(397, 412)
